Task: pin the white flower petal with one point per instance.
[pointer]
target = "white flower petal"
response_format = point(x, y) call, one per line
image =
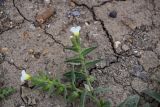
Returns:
point(22, 79)
point(24, 76)
point(75, 29)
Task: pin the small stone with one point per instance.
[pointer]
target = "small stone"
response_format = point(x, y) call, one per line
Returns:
point(139, 85)
point(39, 35)
point(149, 60)
point(87, 23)
point(44, 15)
point(25, 35)
point(125, 47)
point(72, 4)
point(47, 1)
point(32, 27)
point(139, 72)
point(102, 64)
point(75, 13)
point(37, 55)
point(4, 50)
point(113, 14)
point(48, 25)
point(30, 51)
point(137, 53)
point(11, 24)
point(25, 60)
point(117, 43)
point(137, 68)
point(11, 61)
point(45, 51)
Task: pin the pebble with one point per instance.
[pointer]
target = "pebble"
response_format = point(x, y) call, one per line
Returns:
point(47, 1)
point(139, 72)
point(32, 27)
point(72, 4)
point(137, 53)
point(113, 14)
point(30, 51)
point(11, 61)
point(137, 68)
point(125, 47)
point(117, 43)
point(149, 60)
point(44, 14)
point(75, 13)
point(37, 55)
point(4, 50)
point(139, 85)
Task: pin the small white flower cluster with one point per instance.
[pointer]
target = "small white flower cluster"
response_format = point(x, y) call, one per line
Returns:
point(24, 76)
point(75, 31)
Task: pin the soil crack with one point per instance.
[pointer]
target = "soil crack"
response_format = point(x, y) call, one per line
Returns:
point(28, 20)
point(55, 40)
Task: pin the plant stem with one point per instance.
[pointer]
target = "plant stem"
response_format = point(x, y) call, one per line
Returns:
point(84, 68)
point(73, 79)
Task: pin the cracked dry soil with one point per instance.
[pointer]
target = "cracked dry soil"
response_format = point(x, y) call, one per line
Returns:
point(129, 43)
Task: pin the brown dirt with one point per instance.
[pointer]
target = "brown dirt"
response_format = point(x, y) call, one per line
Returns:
point(127, 67)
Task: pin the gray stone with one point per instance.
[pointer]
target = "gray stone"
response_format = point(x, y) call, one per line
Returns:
point(149, 60)
point(137, 68)
point(139, 85)
point(125, 47)
point(75, 13)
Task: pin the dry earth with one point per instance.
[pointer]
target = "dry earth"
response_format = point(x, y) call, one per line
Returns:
point(127, 33)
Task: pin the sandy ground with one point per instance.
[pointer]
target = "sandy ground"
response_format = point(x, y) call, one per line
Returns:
point(127, 33)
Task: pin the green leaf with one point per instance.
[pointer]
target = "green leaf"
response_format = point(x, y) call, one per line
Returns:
point(153, 94)
point(72, 48)
point(74, 60)
point(101, 90)
point(5, 92)
point(83, 98)
point(74, 95)
point(73, 76)
point(131, 101)
point(87, 50)
point(146, 105)
point(51, 89)
point(65, 93)
point(92, 63)
point(78, 75)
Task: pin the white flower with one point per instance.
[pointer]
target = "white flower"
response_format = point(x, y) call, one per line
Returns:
point(24, 76)
point(75, 30)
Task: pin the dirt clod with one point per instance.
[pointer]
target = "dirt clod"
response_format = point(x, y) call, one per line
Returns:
point(113, 14)
point(44, 15)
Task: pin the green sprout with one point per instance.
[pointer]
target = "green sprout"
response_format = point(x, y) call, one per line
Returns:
point(5, 92)
point(79, 66)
